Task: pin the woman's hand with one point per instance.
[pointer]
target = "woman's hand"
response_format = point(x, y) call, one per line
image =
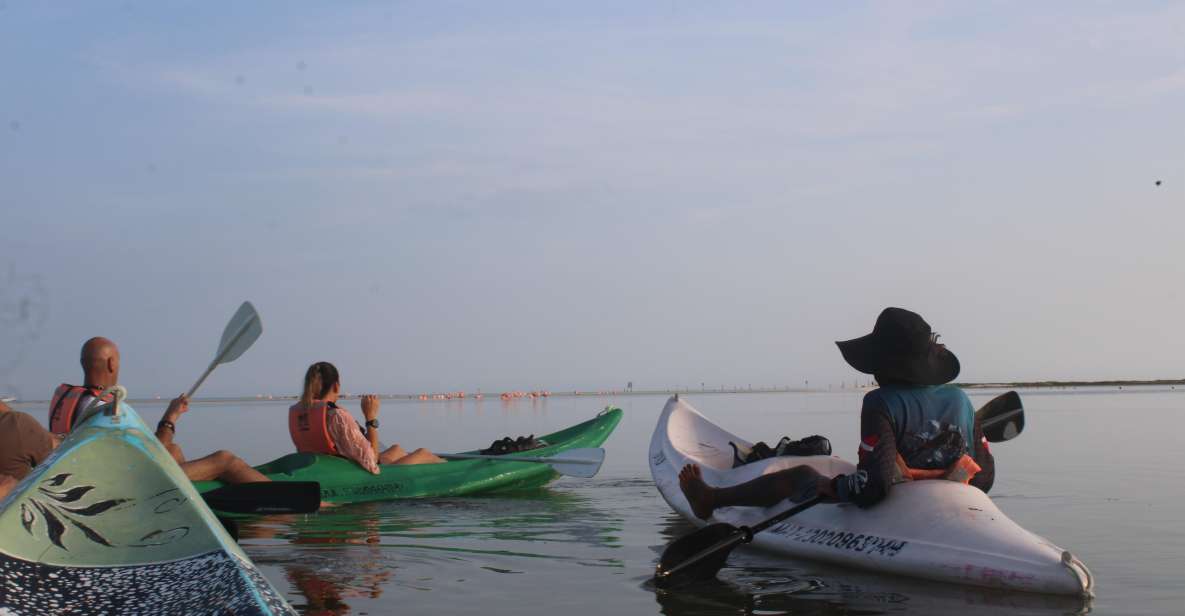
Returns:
point(370, 407)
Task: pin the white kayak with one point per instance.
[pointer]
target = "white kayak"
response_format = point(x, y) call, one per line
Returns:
point(937, 530)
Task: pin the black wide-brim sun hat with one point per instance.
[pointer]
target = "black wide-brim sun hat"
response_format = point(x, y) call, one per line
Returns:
point(900, 347)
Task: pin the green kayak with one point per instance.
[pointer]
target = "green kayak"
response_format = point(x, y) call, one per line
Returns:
point(343, 481)
point(110, 524)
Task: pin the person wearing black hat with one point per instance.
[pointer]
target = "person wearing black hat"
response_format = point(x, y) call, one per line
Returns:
point(913, 426)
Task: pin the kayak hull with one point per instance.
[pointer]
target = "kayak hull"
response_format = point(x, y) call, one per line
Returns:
point(938, 530)
point(343, 481)
point(109, 523)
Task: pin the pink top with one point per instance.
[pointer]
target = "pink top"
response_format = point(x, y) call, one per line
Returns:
point(349, 440)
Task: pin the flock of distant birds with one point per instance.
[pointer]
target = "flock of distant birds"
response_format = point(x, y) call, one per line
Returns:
point(509, 395)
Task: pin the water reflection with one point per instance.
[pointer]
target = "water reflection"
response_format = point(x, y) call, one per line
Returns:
point(757, 582)
point(350, 555)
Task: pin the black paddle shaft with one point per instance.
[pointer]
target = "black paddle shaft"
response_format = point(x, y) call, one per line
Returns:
point(266, 497)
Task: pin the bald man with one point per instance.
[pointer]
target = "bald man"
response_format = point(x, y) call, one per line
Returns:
point(100, 369)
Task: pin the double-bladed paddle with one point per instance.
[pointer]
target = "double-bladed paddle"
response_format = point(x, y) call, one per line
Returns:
point(700, 554)
point(239, 334)
point(266, 497)
point(573, 462)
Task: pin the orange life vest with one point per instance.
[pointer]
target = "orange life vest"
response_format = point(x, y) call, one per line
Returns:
point(64, 405)
point(961, 471)
point(309, 428)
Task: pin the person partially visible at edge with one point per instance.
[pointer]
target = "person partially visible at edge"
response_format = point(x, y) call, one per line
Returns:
point(913, 426)
point(318, 425)
point(100, 368)
point(24, 443)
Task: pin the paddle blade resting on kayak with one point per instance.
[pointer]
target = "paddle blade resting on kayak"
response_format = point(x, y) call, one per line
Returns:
point(110, 524)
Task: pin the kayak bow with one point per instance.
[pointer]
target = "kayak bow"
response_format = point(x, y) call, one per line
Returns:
point(109, 523)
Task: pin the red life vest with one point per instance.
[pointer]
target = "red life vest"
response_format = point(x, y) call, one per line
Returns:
point(64, 405)
point(309, 428)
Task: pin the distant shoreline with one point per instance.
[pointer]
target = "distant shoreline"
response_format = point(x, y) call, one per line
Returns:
point(682, 390)
point(1038, 384)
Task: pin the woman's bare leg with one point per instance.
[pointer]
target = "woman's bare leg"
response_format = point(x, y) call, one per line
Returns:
point(391, 454)
point(420, 456)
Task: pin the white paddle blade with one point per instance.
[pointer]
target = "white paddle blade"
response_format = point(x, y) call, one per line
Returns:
point(584, 463)
point(242, 331)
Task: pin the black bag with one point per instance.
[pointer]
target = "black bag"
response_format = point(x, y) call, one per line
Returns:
point(510, 445)
point(810, 446)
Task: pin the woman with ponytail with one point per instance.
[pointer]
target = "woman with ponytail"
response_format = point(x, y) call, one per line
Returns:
point(318, 425)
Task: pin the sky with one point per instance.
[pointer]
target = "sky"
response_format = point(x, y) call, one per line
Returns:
point(471, 195)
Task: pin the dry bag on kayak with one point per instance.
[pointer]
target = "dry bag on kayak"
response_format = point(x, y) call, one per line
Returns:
point(512, 445)
point(810, 446)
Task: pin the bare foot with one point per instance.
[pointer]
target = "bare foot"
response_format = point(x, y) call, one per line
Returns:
point(699, 494)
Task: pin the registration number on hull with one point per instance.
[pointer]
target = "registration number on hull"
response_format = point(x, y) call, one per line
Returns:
point(841, 540)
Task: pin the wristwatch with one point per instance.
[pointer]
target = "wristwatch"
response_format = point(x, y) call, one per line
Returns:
point(372, 423)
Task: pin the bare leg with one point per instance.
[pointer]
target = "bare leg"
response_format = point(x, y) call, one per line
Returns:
point(391, 454)
point(797, 484)
point(175, 451)
point(224, 466)
point(420, 456)
point(700, 495)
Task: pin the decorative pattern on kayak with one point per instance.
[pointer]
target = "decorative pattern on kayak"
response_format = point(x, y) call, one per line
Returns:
point(54, 506)
point(213, 583)
point(58, 506)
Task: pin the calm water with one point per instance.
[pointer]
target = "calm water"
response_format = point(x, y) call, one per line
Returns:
point(1096, 470)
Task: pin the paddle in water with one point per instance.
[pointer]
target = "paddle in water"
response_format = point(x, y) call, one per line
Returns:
point(584, 462)
point(700, 554)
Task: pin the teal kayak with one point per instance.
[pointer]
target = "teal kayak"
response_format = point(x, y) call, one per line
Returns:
point(110, 524)
point(343, 481)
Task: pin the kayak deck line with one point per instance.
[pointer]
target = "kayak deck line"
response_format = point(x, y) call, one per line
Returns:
point(466, 456)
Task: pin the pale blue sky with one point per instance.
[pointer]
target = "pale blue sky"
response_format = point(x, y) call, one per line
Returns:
point(516, 195)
